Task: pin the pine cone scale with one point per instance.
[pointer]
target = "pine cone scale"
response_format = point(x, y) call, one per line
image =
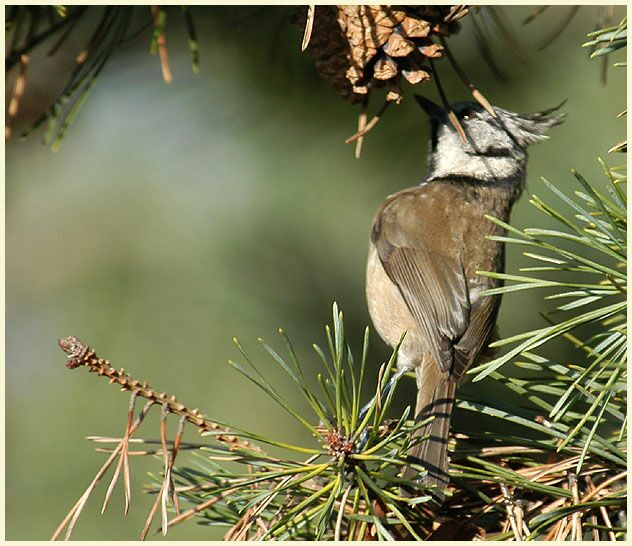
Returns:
point(358, 48)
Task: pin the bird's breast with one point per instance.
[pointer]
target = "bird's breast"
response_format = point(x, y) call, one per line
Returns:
point(389, 312)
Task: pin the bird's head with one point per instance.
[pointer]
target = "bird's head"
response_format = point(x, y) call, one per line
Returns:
point(494, 148)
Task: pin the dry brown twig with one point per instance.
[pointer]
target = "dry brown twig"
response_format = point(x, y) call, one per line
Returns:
point(79, 354)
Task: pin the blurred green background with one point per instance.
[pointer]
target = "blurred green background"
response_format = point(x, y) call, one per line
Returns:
point(226, 204)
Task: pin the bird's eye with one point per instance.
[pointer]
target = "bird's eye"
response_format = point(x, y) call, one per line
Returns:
point(468, 114)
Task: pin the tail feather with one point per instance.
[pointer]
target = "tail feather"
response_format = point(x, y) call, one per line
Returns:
point(435, 398)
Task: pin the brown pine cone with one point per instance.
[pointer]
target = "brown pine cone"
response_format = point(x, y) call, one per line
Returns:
point(358, 48)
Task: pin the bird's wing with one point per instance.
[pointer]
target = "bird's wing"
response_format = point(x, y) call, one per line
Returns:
point(482, 319)
point(433, 284)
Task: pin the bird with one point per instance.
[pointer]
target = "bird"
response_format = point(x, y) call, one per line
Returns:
point(426, 246)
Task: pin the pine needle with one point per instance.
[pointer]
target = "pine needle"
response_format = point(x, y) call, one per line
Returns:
point(16, 95)
point(309, 26)
point(160, 21)
point(374, 121)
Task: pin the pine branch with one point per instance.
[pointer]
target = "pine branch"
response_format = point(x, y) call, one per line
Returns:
point(79, 354)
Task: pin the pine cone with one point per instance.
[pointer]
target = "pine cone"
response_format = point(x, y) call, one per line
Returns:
point(358, 48)
point(329, 48)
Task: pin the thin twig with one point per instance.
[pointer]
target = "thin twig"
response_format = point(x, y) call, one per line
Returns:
point(371, 123)
point(79, 354)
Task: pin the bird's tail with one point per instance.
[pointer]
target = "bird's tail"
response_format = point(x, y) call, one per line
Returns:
point(435, 398)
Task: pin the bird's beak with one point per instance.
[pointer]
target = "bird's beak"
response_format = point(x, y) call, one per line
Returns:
point(433, 111)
